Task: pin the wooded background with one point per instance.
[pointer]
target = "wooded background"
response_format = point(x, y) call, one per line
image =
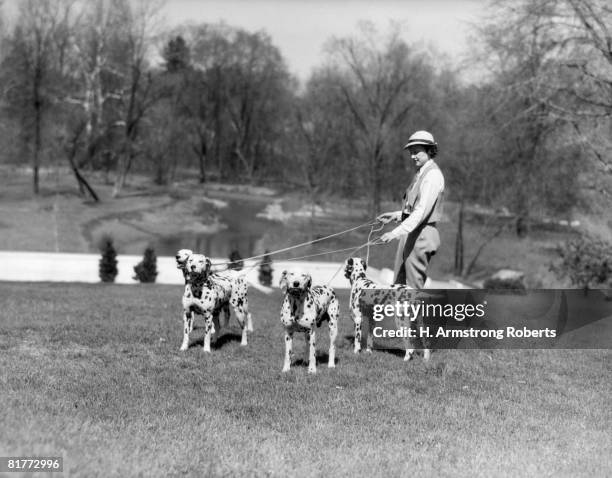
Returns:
point(99, 86)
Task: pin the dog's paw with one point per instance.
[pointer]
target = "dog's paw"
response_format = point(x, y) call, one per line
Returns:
point(184, 347)
point(286, 368)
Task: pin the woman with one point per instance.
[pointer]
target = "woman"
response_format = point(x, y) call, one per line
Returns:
point(422, 209)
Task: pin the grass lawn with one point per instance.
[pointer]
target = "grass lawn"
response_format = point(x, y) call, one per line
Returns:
point(93, 373)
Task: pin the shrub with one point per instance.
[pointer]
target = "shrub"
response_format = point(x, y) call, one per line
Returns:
point(146, 270)
point(236, 261)
point(108, 263)
point(585, 261)
point(494, 283)
point(265, 270)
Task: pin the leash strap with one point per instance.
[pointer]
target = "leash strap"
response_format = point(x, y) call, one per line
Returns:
point(307, 243)
point(372, 230)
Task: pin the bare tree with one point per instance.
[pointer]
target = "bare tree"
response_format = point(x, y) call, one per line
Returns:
point(521, 47)
point(256, 85)
point(91, 60)
point(382, 82)
point(314, 140)
point(135, 91)
point(206, 108)
point(32, 66)
point(202, 101)
point(242, 91)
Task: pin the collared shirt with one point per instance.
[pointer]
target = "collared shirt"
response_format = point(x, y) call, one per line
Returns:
point(431, 188)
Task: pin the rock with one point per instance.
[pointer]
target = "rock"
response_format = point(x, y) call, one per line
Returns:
point(506, 279)
point(508, 274)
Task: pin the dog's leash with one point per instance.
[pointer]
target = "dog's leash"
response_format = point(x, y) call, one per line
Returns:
point(372, 230)
point(375, 242)
point(353, 250)
point(307, 243)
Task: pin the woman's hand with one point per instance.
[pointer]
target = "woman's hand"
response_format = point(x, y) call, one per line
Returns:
point(387, 217)
point(387, 237)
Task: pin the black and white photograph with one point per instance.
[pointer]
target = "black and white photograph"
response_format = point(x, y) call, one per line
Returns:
point(305, 238)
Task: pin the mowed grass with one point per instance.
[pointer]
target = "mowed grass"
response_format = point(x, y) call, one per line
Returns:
point(93, 373)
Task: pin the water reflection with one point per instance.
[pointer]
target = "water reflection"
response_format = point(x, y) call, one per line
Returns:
point(215, 245)
point(245, 233)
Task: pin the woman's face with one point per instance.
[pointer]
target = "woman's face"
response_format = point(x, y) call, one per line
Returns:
point(418, 153)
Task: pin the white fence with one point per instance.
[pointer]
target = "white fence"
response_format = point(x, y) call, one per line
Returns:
point(65, 267)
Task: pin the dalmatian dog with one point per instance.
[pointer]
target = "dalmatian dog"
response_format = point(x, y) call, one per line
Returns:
point(181, 262)
point(355, 271)
point(209, 294)
point(304, 308)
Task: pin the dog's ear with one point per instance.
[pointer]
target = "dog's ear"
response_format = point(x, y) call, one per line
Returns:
point(208, 265)
point(283, 282)
point(348, 269)
point(308, 283)
point(363, 263)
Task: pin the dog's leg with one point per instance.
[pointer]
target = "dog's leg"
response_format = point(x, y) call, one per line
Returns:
point(245, 308)
point(356, 316)
point(426, 354)
point(242, 317)
point(288, 350)
point(187, 328)
point(332, 311)
point(216, 326)
point(357, 322)
point(240, 303)
point(311, 338)
point(226, 315)
point(369, 339)
point(208, 330)
point(409, 354)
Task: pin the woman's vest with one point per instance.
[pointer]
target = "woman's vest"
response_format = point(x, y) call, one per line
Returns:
point(412, 195)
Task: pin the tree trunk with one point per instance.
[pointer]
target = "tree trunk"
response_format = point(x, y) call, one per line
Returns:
point(459, 240)
point(201, 152)
point(472, 263)
point(376, 195)
point(81, 181)
point(124, 163)
point(37, 145)
point(377, 163)
point(247, 167)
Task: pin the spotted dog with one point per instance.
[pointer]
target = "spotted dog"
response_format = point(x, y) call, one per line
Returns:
point(209, 294)
point(355, 272)
point(181, 262)
point(304, 308)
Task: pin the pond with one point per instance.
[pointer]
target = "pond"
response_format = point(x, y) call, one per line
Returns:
point(245, 233)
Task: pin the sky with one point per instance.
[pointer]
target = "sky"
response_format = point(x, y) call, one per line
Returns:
point(300, 28)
